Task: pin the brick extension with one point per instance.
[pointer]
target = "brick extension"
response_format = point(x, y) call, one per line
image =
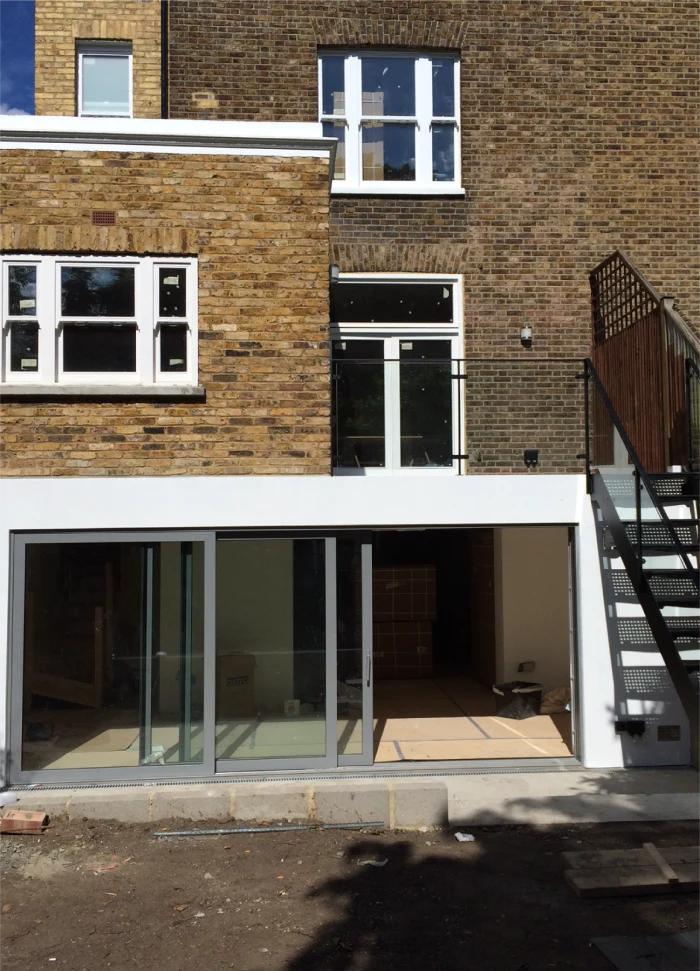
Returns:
point(260, 229)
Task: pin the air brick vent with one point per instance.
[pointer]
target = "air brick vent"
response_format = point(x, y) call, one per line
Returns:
point(103, 217)
point(669, 733)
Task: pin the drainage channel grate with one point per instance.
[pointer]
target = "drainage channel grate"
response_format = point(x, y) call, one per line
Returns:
point(316, 777)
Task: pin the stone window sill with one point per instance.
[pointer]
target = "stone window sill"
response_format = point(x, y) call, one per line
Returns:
point(142, 392)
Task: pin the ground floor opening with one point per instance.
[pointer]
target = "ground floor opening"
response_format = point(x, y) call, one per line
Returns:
point(184, 654)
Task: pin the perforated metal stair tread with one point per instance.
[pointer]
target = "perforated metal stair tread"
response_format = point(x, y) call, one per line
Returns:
point(637, 632)
point(658, 536)
point(669, 587)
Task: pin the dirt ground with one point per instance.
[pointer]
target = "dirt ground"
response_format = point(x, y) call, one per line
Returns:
point(87, 896)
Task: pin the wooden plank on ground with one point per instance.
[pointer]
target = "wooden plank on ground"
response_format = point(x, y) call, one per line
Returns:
point(667, 871)
point(588, 859)
point(626, 881)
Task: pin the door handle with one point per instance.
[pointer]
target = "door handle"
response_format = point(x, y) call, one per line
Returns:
point(369, 670)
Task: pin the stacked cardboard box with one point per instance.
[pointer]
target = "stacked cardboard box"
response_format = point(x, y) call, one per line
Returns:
point(403, 607)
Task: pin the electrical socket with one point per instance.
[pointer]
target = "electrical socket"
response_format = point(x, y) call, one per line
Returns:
point(526, 666)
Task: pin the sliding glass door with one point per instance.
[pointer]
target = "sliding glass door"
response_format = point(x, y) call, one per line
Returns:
point(175, 655)
point(109, 657)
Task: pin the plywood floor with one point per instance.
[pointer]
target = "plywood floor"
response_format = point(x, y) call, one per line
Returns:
point(441, 719)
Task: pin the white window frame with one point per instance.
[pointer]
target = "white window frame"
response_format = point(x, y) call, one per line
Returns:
point(121, 49)
point(423, 120)
point(392, 335)
point(145, 320)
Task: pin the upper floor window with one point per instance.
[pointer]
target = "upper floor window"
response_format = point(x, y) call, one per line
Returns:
point(104, 79)
point(99, 320)
point(396, 118)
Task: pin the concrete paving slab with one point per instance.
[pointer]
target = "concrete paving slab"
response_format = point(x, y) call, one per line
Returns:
point(417, 804)
point(123, 805)
point(272, 803)
point(192, 802)
point(53, 802)
point(351, 802)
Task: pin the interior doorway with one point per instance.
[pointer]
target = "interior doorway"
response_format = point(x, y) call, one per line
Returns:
point(456, 611)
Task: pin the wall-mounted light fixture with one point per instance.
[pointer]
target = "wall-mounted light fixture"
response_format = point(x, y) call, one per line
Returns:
point(526, 336)
point(333, 273)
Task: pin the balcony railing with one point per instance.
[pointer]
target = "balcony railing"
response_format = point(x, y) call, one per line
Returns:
point(398, 413)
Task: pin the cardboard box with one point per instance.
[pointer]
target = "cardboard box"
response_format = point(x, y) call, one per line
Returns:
point(235, 685)
point(405, 593)
point(403, 649)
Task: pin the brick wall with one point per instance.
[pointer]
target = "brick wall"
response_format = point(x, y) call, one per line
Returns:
point(260, 229)
point(59, 25)
point(578, 135)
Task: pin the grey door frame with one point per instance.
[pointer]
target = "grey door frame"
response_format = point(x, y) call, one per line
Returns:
point(330, 759)
point(142, 773)
point(367, 756)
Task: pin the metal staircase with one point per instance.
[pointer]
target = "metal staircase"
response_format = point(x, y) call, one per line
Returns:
point(640, 421)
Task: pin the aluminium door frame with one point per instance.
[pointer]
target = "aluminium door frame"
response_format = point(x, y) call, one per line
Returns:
point(151, 772)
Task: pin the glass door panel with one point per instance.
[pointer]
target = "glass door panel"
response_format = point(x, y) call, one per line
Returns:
point(271, 639)
point(426, 403)
point(354, 591)
point(359, 403)
point(113, 655)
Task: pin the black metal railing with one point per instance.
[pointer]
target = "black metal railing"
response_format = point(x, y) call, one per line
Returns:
point(610, 452)
point(398, 413)
point(631, 502)
point(692, 396)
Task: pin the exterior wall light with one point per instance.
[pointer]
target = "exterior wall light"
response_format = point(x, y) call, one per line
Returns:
point(526, 336)
point(333, 273)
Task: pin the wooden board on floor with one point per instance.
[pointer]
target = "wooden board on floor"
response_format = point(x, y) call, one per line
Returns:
point(623, 873)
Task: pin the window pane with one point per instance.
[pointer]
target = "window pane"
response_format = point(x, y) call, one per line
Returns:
point(388, 153)
point(104, 348)
point(333, 85)
point(22, 291)
point(443, 153)
point(97, 291)
point(331, 130)
point(173, 347)
point(105, 89)
point(426, 404)
point(358, 403)
point(172, 295)
point(270, 648)
point(391, 303)
point(113, 655)
point(443, 89)
point(24, 346)
point(388, 86)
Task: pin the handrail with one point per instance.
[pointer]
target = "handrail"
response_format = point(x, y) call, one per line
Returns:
point(592, 374)
point(675, 319)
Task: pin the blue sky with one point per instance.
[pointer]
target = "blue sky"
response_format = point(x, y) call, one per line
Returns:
point(17, 57)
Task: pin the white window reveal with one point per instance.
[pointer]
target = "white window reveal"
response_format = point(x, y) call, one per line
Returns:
point(105, 80)
point(95, 321)
point(396, 118)
point(397, 373)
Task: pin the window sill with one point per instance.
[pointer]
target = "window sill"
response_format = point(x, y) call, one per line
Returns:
point(134, 392)
point(397, 189)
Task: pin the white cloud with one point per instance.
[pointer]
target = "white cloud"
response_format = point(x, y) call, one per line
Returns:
point(6, 110)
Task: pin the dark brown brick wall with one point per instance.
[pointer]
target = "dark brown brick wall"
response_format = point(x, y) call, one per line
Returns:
point(259, 227)
point(578, 134)
point(516, 406)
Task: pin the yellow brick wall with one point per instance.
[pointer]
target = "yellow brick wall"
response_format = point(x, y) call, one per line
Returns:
point(259, 227)
point(58, 25)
